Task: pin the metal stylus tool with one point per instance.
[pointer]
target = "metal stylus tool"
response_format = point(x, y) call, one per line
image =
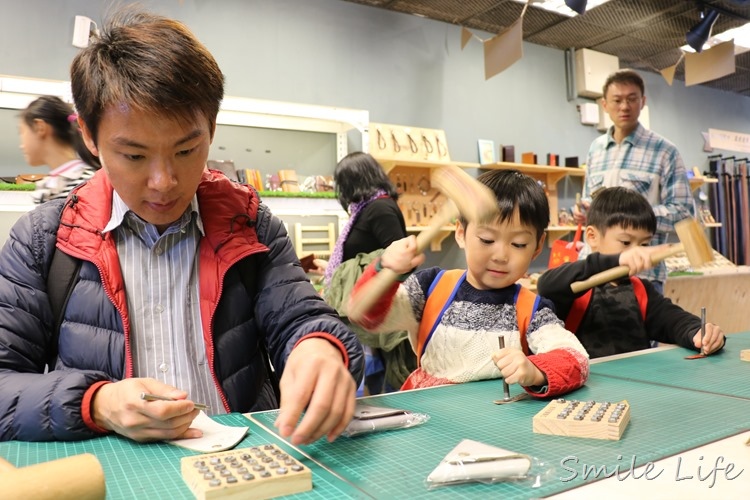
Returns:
point(703, 330)
point(507, 398)
point(506, 387)
point(153, 397)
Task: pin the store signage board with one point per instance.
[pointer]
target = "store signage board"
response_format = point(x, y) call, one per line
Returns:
point(728, 140)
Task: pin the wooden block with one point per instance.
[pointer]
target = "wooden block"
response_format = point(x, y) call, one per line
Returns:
point(257, 472)
point(745, 354)
point(586, 419)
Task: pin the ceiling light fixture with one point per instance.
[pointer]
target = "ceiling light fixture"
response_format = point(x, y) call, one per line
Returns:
point(577, 5)
point(565, 7)
point(701, 32)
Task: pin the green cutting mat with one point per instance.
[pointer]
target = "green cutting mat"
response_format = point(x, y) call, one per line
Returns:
point(720, 373)
point(664, 421)
point(150, 471)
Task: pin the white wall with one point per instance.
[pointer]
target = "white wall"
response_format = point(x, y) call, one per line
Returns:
point(402, 69)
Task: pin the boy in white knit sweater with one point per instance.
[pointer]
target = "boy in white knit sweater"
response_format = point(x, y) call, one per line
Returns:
point(456, 335)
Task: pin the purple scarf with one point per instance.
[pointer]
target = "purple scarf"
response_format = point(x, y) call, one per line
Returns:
point(338, 250)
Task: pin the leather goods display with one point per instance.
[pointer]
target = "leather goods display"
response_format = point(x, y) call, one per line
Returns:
point(288, 181)
point(401, 142)
point(29, 178)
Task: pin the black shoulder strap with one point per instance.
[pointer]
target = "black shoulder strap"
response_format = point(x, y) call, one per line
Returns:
point(63, 273)
point(248, 268)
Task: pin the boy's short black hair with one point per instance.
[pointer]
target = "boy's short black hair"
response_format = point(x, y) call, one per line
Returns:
point(620, 206)
point(515, 190)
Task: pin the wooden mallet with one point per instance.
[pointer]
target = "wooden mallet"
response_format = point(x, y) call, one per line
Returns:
point(79, 477)
point(465, 195)
point(692, 241)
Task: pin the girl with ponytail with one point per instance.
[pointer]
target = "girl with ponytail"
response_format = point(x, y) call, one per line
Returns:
point(50, 136)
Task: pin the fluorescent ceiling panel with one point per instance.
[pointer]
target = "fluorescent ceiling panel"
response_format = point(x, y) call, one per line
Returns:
point(559, 7)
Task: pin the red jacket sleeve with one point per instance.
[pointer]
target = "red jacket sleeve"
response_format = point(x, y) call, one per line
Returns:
point(379, 310)
point(565, 369)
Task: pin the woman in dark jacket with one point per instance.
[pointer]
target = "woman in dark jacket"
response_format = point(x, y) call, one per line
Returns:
point(375, 221)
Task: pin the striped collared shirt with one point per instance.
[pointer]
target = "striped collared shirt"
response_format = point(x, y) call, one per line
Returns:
point(649, 164)
point(161, 284)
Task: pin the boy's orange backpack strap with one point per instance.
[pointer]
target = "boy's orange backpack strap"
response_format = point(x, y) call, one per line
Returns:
point(581, 304)
point(526, 303)
point(439, 296)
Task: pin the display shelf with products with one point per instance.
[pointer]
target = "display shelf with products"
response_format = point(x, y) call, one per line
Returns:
point(418, 200)
point(409, 155)
point(411, 178)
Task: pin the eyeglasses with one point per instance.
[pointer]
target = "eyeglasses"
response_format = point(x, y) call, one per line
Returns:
point(630, 101)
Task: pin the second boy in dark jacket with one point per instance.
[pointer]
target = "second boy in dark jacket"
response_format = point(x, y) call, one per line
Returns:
point(626, 314)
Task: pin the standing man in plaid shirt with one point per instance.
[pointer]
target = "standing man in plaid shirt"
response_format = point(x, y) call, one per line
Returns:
point(629, 155)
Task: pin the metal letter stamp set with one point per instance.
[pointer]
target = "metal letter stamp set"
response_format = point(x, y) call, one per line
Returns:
point(587, 419)
point(257, 472)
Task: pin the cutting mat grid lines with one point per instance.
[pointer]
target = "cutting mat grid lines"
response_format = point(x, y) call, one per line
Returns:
point(665, 422)
point(135, 471)
point(721, 373)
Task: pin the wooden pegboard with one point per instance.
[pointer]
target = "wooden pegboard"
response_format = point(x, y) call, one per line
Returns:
point(400, 142)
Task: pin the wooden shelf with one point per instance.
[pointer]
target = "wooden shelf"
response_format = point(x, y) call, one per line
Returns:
point(437, 243)
point(466, 164)
point(389, 165)
point(697, 182)
point(552, 174)
point(550, 177)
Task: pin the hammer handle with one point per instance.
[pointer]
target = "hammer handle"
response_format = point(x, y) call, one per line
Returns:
point(79, 477)
point(445, 216)
point(379, 284)
point(6, 466)
point(621, 271)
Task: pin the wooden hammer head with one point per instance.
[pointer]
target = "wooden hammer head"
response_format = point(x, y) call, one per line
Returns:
point(693, 239)
point(475, 201)
point(472, 199)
